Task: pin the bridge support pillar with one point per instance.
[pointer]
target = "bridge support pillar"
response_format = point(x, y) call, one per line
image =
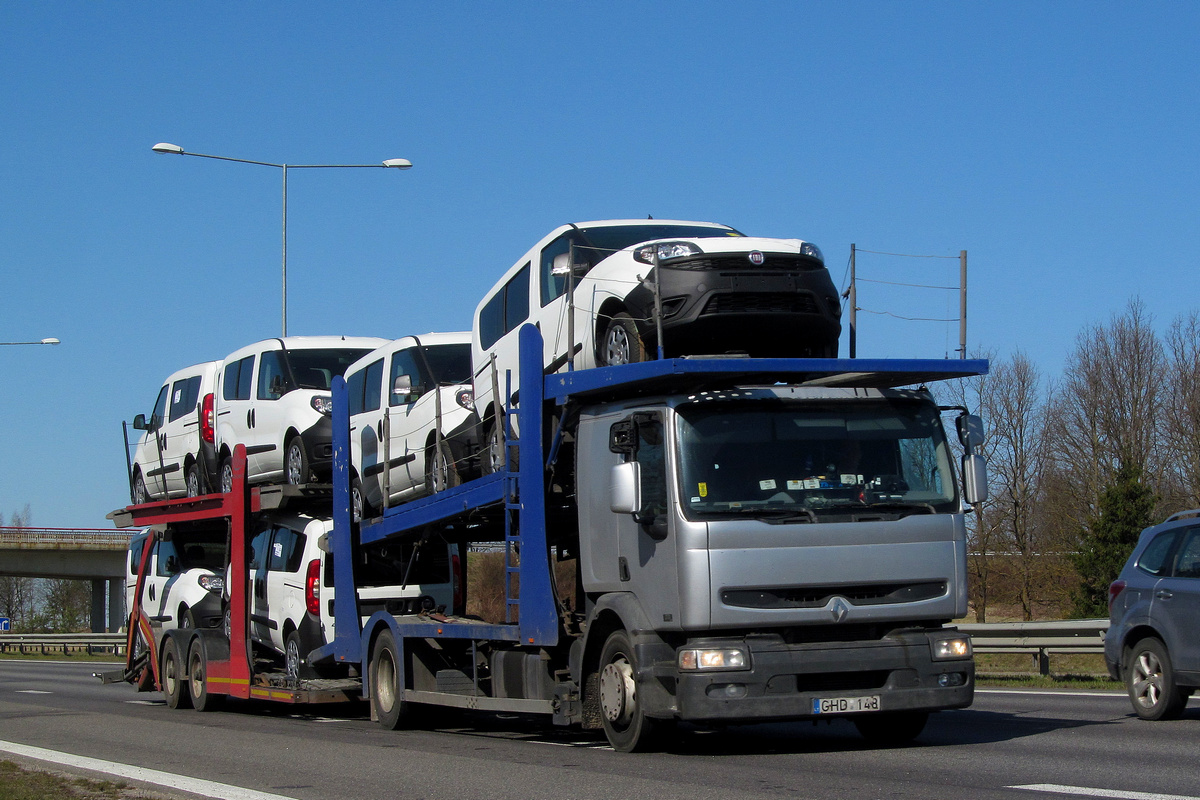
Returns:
point(97, 605)
point(116, 605)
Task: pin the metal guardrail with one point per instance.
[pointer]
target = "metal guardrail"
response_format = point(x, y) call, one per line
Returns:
point(62, 643)
point(1039, 639)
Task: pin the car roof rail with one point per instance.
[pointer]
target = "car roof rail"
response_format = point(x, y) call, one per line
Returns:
point(1195, 512)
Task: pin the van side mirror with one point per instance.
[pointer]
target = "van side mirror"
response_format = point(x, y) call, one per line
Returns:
point(974, 476)
point(139, 423)
point(403, 388)
point(562, 266)
point(172, 564)
point(970, 431)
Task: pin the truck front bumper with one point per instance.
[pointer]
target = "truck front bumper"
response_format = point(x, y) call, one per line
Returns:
point(810, 680)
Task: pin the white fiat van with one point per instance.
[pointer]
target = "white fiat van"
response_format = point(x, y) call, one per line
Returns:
point(183, 585)
point(719, 292)
point(395, 394)
point(273, 397)
point(176, 454)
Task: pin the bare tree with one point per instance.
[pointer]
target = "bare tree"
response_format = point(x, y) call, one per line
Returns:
point(18, 598)
point(1181, 413)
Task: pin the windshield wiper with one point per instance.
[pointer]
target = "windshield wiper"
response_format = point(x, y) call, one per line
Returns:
point(778, 516)
point(910, 507)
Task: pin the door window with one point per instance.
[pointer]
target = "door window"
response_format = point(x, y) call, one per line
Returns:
point(507, 309)
point(287, 551)
point(1188, 563)
point(160, 409)
point(272, 381)
point(237, 381)
point(184, 396)
point(373, 386)
point(404, 363)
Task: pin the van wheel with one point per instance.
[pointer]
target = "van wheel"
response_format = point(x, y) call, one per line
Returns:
point(492, 458)
point(174, 676)
point(440, 472)
point(387, 694)
point(193, 480)
point(140, 495)
point(295, 462)
point(1150, 679)
point(197, 680)
point(622, 344)
point(293, 658)
point(226, 475)
point(359, 508)
point(186, 619)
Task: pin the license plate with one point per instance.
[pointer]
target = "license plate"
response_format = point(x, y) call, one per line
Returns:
point(845, 705)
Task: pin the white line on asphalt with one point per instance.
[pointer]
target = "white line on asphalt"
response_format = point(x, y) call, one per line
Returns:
point(1116, 694)
point(194, 785)
point(145, 702)
point(1055, 788)
point(32, 691)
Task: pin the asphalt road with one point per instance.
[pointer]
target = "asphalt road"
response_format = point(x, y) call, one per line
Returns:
point(1087, 744)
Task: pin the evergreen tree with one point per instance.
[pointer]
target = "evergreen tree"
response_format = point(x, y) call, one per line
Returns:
point(1125, 510)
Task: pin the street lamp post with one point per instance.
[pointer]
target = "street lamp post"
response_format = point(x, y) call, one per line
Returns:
point(43, 341)
point(391, 163)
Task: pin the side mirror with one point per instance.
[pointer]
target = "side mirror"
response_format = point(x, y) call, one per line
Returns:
point(278, 389)
point(562, 266)
point(139, 423)
point(403, 388)
point(974, 479)
point(624, 488)
point(172, 564)
point(970, 431)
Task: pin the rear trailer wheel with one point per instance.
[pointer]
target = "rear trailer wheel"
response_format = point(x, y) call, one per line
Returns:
point(295, 462)
point(625, 723)
point(175, 685)
point(197, 672)
point(440, 472)
point(1150, 680)
point(387, 693)
point(622, 343)
point(896, 728)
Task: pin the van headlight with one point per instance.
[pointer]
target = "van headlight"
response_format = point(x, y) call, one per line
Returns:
point(951, 648)
point(812, 251)
point(666, 250)
point(699, 658)
point(211, 583)
point(322, 404)
point(466, 399)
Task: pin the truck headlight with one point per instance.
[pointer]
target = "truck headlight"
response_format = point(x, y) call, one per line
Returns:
point(947, 649)
point(645, 253)
point(212, 583)
point(705, 659)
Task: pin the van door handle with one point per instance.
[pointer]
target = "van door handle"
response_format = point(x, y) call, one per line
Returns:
point(152, 591)
point(379, 431)
point(1163, 594)
point(249, 424)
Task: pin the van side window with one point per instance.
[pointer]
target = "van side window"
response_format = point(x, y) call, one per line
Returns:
point(354, 391)
point(184, 396)
point(373, 386)
point(272, 381)
point(554, 286)
point(287, 551)
point(516, 300)
point(158, 416)
point(403, 363)
point(491, 320)
point(236, 383)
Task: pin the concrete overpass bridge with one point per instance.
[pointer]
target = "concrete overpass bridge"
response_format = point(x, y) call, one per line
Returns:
point(95, 554)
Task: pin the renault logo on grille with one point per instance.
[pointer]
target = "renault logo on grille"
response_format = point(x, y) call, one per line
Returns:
point(756, 257)
point(839, 609)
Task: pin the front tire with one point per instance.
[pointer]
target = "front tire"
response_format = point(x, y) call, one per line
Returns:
point(387, 694)
point(440, 472)
point(492, 458)
point(140, 495)
point(1150, 679)
point(621, 710)
point(295, 462)
point(622, 344)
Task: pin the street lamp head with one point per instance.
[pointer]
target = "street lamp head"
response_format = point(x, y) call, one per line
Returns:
point(50, 341)
point(167, 147)
point(397, 163)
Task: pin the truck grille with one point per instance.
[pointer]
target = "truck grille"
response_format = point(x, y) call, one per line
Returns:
point(818, 596)
point(762, 303)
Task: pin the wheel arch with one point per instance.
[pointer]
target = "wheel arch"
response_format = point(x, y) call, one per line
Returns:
point(608, 309)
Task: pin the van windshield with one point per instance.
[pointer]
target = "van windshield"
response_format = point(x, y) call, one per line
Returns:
point(450, 363)
point(809, 460)
point(604, 241)
point(315, 369)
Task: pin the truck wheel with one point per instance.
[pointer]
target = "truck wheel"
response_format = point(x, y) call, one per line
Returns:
point(193, 480)
point(622, 344)
point(625, 724)
point(896, 728)
point(440, 472)
point(295, 462)
point(197, 673)
point(1150, 679)
point(175, 687)
point(387, 695)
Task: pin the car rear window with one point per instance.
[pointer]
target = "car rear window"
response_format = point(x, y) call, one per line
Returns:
point(1154, 558)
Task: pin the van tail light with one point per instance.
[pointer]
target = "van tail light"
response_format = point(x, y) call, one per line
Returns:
point(1114, 589)
point(206, 419)
point(458, 584)
point(312, 588)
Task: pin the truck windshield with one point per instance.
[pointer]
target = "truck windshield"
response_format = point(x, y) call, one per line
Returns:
point(781, 460)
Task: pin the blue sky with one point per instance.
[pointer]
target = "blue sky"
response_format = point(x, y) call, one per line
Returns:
point(1055, 142)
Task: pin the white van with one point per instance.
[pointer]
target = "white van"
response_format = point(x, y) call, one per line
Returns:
point(273, 397)
point(720, 292)
point(184, 576)
point(394, 394)
point(291, 604)
point(176, 455)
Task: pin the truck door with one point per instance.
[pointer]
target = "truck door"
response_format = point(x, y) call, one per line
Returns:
point(646, 548)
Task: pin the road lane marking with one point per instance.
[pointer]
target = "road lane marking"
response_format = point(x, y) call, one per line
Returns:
point(1115, 694)
point(32, 691)
point(1089, 792)
point(223, 791)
